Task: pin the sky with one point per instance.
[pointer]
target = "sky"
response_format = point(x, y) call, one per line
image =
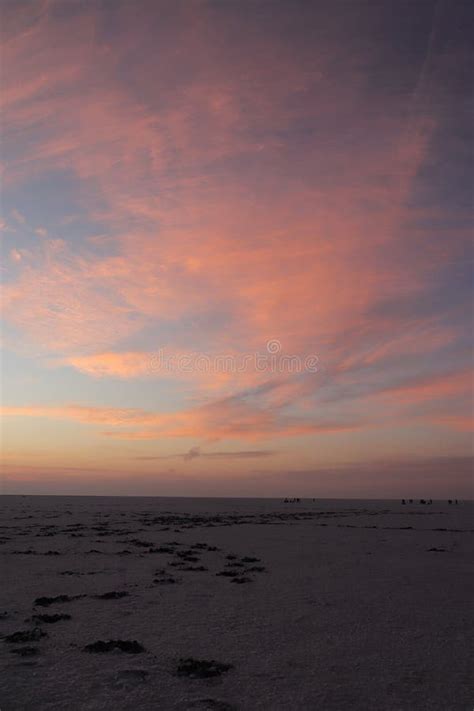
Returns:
point(236, 249)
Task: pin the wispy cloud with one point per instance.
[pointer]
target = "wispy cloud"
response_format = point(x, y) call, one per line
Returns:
point(229, 418)
point(196, 452)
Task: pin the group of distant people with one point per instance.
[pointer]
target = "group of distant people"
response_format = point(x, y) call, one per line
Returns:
point(428, 502)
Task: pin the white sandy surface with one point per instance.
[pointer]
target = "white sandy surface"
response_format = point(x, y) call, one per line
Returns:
point(352, 612)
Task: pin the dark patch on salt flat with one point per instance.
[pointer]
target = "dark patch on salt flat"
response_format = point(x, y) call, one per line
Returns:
point(201, 668)
point(188, 556)
point(101, 647)
point(162, 549)
point(228, 573)
point(206, 705)
point(47, 601)
point(21, 636)
point(165, 581)
point(51, 619)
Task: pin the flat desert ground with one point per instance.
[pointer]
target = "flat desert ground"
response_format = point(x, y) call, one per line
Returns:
point(225, 604)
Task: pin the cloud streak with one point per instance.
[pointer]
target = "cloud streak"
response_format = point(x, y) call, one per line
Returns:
point(196, 452)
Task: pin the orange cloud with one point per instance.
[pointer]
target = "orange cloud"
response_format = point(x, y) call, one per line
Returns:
point(228, 418)
point(459, 423)
point(121, 365)
point(443, 385)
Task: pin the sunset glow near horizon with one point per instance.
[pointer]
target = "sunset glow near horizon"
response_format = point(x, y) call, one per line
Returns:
point(189, 183)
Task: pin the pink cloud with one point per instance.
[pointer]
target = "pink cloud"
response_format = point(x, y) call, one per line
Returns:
point(443, 385)
point(228, 418)
point(121, 365)
point(214, 243)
